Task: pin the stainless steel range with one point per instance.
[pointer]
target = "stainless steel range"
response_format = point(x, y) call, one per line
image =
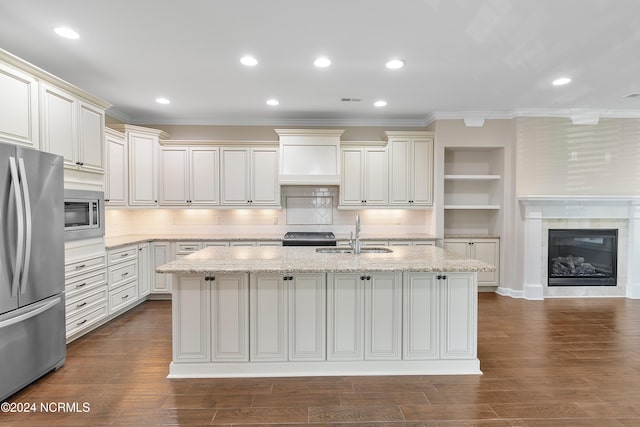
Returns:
point(309, 238)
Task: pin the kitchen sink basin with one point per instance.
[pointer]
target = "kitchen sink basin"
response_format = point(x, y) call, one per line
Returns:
point(347, 250)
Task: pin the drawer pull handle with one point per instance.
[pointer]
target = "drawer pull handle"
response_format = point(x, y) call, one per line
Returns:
point(126, 296)
point(124, 255)
point(81, 323)
point(78, 267)
point(81, 285)
point(81, 305)
point(125, 273)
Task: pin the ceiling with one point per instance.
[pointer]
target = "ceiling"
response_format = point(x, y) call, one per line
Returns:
point(469, 59)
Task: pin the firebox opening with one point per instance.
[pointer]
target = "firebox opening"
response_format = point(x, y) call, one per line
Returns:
point(583, 257)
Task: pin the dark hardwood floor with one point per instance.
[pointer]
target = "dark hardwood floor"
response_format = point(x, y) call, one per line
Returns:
point(558, 362)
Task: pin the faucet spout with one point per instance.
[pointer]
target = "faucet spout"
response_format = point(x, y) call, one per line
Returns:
point(357, 241)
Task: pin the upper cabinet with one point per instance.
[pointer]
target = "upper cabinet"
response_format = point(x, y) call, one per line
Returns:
point(72, 128)
point(364, 177)
point(189, 176)
point(410, 168)
point(249, 176)
point(18, 107)
point(115, 181)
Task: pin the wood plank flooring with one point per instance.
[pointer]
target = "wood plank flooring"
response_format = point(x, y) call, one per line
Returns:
point(558, 362)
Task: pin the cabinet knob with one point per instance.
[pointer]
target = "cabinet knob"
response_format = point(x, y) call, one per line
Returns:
point(368, 277)
point(285, 278)
point(362, 277)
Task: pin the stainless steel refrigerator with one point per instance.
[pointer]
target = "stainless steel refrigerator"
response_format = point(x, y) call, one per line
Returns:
point(32, 322)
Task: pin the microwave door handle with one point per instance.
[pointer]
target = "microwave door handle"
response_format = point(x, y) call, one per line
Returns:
point(28, 223)
point(20, 240)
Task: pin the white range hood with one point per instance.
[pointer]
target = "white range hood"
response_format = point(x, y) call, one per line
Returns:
point(309, 156)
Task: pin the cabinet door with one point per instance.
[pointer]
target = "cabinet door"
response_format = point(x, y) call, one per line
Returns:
point(421, 315)
point(191, 319)
point(116, 170)
point(161, 255)
point(174, 176)
point(383, 316)
point(307, 317)
point(90, 138)
point(399, 171)
point(230, 318)
point(268, 329)
point(345, 309)
point(458, 246)
point(422, 171)
point(142, 169)
point(204, 176)
point(351, 188)
point(264, 177)
point(375, 179)
point(459, 300)
point(18, 107)
point(487, 250)
point(234, 181)
point(144, 271)
point(59, 126)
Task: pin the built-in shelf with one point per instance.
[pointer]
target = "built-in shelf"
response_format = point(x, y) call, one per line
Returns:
point(472, 177)
point(477, 207)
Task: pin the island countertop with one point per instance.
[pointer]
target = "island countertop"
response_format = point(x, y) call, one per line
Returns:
point(297, 259)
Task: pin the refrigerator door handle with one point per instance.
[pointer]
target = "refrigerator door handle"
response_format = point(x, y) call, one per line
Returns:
point(28, 223)
point(20, 240)
point(34, 312)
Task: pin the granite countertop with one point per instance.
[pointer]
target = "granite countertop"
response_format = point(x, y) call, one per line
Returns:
point(133, 239)
point(279, 259)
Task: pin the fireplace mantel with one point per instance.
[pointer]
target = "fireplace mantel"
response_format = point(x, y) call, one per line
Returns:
point(537, 209)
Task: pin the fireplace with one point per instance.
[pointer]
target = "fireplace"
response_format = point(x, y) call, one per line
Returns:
point(583, 257)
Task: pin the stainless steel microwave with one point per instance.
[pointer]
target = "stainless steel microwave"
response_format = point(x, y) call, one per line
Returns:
point(83, 214)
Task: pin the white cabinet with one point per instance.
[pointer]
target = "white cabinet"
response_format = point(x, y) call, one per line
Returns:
point(249, 176)
point(160, 255)
point(18, 107)
point(189, 175)
point(364, 316)
point(485, 250)
point(459, 305)
point(211, 318)
point(288, 315)
point(421, 316)
point(410, 168)
point(116, 182)
point(144, 270)
point(364, 179)
point(73, 129)
point(122, 276)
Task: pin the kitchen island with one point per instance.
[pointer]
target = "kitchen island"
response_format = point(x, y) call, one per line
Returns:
point(291, 311)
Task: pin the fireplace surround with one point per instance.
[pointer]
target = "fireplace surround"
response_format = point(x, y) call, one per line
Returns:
point(538, 214)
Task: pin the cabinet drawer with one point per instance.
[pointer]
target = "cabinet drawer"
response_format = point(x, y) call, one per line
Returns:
point(187, 247)
point(122, 297)
point(85, 265)
point(122, 273)
point(122, 255)
point(86, 283)
point(85, 319)
point(86, 301)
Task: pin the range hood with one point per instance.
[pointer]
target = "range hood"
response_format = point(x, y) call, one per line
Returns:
point(309, 156)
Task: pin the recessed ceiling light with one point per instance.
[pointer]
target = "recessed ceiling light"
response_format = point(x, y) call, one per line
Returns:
point(66, 32)
point(380, 103)
point(561, 81)
point(273, 102)
point(394, 64)
point(249, 61)
point(162, 100)
point(322, 62)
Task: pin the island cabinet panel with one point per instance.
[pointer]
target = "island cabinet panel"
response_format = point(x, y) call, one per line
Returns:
point(192, 333)
point(383, 316)
point(230, 317)
point(268, 307)
point(345, 309)
point(307, 317)
point(421, 314)
point(459, 316)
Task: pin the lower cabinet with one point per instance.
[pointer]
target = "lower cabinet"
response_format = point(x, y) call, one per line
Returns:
point(122, 273)
point(160, 255)
point(483, 249)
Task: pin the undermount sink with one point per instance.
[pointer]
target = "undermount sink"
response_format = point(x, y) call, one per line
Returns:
point(347, 250)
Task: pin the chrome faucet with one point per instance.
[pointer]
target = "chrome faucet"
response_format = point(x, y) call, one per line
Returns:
point(355, 244)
